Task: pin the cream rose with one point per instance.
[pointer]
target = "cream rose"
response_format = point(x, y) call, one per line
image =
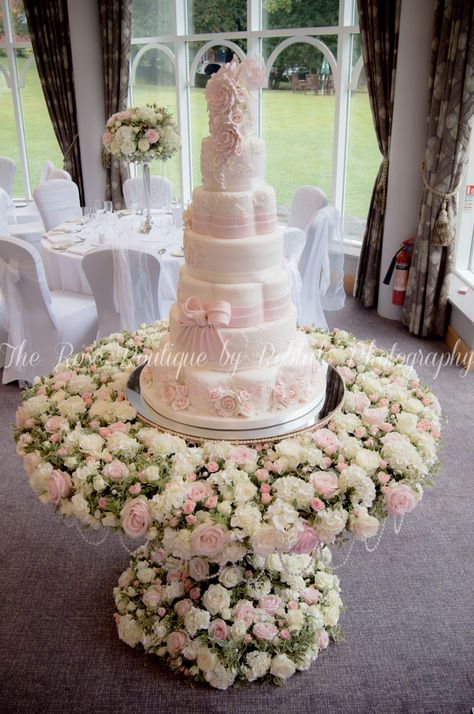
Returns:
point(216, 598)
point(282, 667)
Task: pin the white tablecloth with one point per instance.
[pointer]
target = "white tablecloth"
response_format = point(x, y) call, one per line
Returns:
point(63, 266)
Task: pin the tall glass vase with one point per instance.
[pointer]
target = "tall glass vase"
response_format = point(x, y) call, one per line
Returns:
point(148, 223)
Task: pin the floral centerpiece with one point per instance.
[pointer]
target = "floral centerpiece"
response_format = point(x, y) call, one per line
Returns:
point(141, 135)
point(229, 526)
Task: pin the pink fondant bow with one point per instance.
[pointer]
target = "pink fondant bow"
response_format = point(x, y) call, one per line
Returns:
point(199, 333)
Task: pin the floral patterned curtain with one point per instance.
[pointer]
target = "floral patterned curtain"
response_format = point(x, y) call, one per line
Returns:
point(379, 24)
point(450, 112)
point(116, 32)
point(48, 24)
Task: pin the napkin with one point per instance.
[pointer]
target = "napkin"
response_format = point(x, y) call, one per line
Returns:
point(80, 249)
point(56, 238)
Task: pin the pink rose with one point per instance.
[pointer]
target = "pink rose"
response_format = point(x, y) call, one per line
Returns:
point(306, 541)
point(152, 135)
point(326, 440)
point(218, 630)
point(244, 610)
point(361, 402)
point(262, 474)
point(265, 631)
point(199, 490)
point(226, 140)
point(400, 499)
point(267, 540)
point(208, 539)
point(135, 517)
point(118, 426)
point(220, 95)
point(152, 597)
point(175, 642)
point(225, 404)
point(347, 374)
point(124, 580)
point(310, 595)
point(242, 454)
point(325, 483)
point(270, 603)
point(375, 416)
point(182, 607)
point(166, 391)
point(198, 568)
point(251, 75)
point(116, 470)
point(65, 376)
point(323, 640)
point(55, 423)
point(135, 489)
point(317, 504)
point(212, 467)
point(59, 486)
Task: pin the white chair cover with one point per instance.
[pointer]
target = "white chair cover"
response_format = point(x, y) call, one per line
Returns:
point(46, 169)
point(57, 200)
point(160, 192)
point(7, 174)
point(59, 174)
point(124, 282)
point(293, 246)
point(3, 329)
point(41, 325)
point(306, 201)
point(322, 268)
point(7, 208)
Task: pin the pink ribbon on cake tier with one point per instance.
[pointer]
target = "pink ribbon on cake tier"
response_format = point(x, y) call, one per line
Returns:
point(200, 327)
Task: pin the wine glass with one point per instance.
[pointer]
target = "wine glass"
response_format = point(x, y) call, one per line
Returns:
point(108, 207)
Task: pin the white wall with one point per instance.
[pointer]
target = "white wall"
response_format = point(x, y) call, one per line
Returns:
point(88, 78)
point(408, 138)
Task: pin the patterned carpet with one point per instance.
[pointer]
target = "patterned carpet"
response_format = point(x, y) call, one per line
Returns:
point(408, 627)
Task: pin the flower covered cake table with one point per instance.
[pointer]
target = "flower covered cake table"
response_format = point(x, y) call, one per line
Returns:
point(234, 582)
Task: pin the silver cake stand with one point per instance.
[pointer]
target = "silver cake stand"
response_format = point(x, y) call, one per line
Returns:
point(330, 403)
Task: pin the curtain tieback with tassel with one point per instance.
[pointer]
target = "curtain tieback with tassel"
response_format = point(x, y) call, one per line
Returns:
point(443, 230)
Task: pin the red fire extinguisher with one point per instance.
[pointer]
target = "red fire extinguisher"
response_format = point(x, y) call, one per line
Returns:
point(400, 265)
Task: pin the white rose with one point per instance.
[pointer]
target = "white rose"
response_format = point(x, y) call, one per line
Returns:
point(258, 664)
point(220, 677)
point(71, 408)
point(238, 630)
point(290, 488)
point(406, 423)
point(206, 660)
point(282, 667)
point(324, 580)
point(295, 619)
point(307, 658)
point(216, 598)
point(182, 545)
point(231, 576)
point(80, 506)
point(151, 474)
point(98, 483)
point(173, 590)
point(244, 490)
point(129, 630)
point(146, 575)
point(330, 523)
point(368, 460)
point(91, 444)
point(35, 406)
point(121, 443)
point(81, 383)
point(246, 517)
point(361, 524)
point(331, 615)
point(196, 619)
point(281, 514)
point(124, 411)
point(225, 507)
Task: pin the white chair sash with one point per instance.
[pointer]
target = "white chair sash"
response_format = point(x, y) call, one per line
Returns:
point(132, 294)
point(293, 246)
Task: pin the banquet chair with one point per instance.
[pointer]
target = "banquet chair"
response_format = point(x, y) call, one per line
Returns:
point(46, 169)
point(124, 282)
point(160, 192)
point(7, 211)
point(59, 174)
point(43, 326)
point(31, 232)
point(3, 329)
point(57, 200)
point(306, 201)
point(7, 174)
point(322, 268)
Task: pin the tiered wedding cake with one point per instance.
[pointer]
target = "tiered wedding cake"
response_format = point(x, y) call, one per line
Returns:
point(233, 357)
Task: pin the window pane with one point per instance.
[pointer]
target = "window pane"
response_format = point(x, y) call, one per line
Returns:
point(155, 82)
point(279, 14)
point(2, 31)
point(298, 121)
point(8, 137)
point(19, 24)
point(41, 142)
point(152, 18)
point(216, 16)
point(363, 162)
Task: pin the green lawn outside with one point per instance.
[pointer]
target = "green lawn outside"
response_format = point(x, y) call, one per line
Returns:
point(297, 128)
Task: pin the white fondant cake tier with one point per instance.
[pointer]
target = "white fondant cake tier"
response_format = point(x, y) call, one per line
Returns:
point(239, 173)
point(234, 214)
point(244, 298)
point(252, 259)
point(198, 396)
point(247, 347)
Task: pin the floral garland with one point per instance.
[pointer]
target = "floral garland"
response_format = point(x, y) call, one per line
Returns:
point(213, 511)
point(142, 134)
point(242, 623)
